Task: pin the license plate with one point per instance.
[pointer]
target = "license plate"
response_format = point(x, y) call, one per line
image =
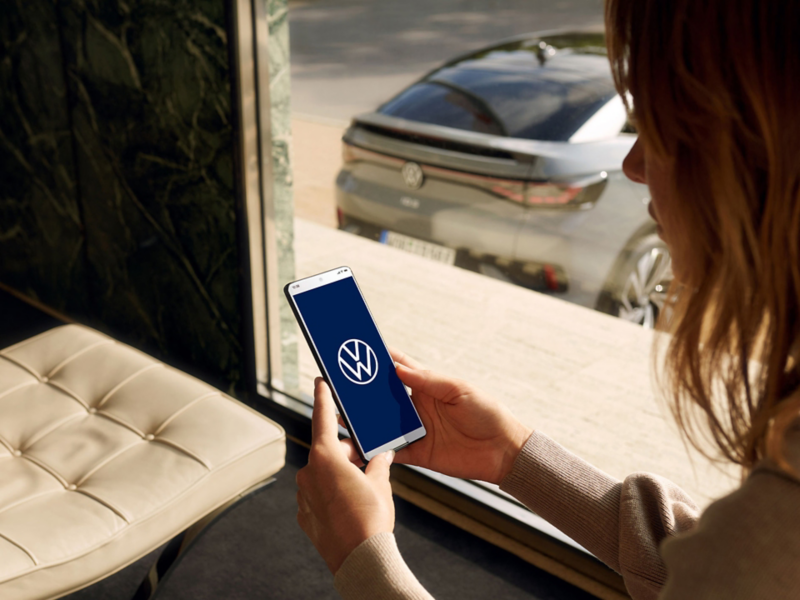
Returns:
point(431, 251)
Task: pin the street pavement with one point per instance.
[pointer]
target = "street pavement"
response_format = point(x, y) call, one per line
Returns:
point(348, 56)
point(316, 159)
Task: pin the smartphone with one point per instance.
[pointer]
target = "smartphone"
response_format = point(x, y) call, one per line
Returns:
point(353, 358)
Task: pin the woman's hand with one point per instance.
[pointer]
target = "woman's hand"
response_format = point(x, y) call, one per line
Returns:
point(338, 505)
point(470, 435)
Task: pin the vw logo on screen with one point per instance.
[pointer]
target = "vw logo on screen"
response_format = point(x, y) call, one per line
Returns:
point(358, 362)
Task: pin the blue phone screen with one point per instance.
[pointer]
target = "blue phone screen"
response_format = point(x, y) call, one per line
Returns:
point(360, 368)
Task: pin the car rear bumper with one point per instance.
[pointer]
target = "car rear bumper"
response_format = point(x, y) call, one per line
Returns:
point(530, 274)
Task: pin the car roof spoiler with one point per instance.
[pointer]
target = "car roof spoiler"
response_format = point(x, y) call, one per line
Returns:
point(555, 159)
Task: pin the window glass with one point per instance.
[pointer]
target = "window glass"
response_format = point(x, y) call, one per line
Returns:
point(442, 104)
point(516, 259)
point(548, 102)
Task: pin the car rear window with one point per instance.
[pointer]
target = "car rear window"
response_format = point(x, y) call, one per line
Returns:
point(442, 104)
point(526, 100)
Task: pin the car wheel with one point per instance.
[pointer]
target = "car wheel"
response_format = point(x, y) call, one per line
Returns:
point(637, 286)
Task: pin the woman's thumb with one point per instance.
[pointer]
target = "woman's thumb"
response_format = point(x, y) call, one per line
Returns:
point(427, 382)
point(378, 467)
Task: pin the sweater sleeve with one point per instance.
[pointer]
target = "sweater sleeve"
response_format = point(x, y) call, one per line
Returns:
point(375, 569)
point(621, 522)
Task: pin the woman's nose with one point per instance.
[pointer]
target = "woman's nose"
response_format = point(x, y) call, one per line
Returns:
point(634, 165)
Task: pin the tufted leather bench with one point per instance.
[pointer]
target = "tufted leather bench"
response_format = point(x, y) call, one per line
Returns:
point(106, 453)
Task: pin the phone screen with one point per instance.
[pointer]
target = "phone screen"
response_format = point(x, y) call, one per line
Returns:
point(358, 366)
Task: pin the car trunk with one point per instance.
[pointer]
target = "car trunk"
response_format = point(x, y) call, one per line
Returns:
point(471, 196)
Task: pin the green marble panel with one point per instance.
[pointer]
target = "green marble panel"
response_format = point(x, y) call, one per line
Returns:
point(281, 128)
point(41, 234)
point(150, 93)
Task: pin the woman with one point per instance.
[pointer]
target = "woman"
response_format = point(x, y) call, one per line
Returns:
point(715, 87)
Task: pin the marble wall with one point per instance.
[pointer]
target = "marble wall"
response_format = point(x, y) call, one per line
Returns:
point(282, 186)
point(151, 110)
point(118, 200)
point(42, 240)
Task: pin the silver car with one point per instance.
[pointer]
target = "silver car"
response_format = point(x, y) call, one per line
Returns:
point(507, 161)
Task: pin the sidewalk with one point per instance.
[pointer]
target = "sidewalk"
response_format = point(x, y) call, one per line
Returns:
point(580, 376)
point(316, 159)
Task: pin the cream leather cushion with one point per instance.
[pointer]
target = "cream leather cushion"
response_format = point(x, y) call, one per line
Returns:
point(105, 454)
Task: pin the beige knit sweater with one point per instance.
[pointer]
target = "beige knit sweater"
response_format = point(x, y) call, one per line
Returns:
point(745, 545)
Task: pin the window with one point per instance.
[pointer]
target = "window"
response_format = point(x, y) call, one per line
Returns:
point(527, 89)
point(549, 104)
point(443, 104)
point(485, 267)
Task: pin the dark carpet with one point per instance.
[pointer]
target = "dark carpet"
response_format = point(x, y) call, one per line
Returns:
point(257, 550)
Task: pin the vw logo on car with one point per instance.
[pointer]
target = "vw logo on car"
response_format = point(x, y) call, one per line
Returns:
point(412, 175)
point(358, 362)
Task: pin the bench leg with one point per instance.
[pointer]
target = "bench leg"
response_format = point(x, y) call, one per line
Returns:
point(178, 546)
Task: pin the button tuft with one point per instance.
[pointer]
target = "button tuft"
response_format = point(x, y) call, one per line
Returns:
point(92, 410)
point(44, 379)
point(149, 437)
point(17, 452)
point(72, 487)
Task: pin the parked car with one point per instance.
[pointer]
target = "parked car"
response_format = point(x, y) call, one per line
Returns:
point(507, 161)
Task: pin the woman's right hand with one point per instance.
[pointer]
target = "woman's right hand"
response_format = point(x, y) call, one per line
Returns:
point(469, 435)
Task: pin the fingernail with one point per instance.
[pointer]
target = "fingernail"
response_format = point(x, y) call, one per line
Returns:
point(389, 456)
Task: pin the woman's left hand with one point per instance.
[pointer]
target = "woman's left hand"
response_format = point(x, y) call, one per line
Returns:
point(339, 506)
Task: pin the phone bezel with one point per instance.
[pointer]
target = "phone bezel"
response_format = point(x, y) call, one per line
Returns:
point(319, 280)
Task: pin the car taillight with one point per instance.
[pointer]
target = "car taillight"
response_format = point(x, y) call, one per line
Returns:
point(562, 194)
point(551, 278)
point(551, 194)
point(511, 190)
